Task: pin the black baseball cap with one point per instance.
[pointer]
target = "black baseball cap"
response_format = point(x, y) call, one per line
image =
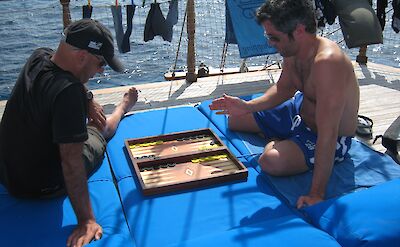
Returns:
point(91, 35)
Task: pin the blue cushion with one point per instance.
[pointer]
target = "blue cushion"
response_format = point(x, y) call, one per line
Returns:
point(103, 173)
point(49, 222)
point(362, 168)
point(151, 123)
point(3, 190)
point(174, 218)
point(366, 218)
point(284, 231)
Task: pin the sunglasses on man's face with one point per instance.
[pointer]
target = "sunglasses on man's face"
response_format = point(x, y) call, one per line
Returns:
point(272, 38)
point(102, 61)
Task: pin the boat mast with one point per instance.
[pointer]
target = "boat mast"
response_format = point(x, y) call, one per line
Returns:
point(66, 13)
point(191, 57)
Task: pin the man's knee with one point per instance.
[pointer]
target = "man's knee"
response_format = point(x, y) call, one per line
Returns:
point(243, 123)
point(232, 123)
point(270, 163)
point(93, 150)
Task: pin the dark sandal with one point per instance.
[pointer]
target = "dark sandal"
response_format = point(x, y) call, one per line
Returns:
point(364, 127)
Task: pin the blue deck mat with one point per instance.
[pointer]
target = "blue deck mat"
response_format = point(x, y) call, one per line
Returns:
point(151, 123)
point(49, 222)
point(175, 218)
point(282, 232)
point(103, 173)
point(366, 218)
point(362, 168)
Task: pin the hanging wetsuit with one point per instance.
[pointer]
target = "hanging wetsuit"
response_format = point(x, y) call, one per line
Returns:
point(319, 15)
point(117, 18)
point(87, 11)
point(396, 16)
point(157, 25)
point(380, 12)
point(172, 16)
point(329, 11)
point(359, 23)
point(130, 11)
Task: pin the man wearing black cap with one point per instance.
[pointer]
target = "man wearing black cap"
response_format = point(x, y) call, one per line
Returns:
point(53, 134)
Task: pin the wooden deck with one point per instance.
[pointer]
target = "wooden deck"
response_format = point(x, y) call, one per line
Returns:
point(379, 84)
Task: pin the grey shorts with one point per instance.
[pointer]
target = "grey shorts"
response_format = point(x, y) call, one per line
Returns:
point(93, 150)
point(92, 154)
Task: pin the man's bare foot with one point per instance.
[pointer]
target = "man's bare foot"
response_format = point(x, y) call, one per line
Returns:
point(129, 100)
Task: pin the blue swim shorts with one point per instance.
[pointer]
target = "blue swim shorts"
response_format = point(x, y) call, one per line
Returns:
point(284, 122)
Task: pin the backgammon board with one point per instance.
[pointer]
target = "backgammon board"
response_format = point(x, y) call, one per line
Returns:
point(183, 160)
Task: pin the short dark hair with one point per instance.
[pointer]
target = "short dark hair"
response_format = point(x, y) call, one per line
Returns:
point(286, 14)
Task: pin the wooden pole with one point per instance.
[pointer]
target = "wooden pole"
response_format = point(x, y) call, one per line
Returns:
point(191, 57)
point(362, 55)
point(66, 13)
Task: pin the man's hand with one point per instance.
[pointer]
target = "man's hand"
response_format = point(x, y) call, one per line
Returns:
point(230, 105)
point(96, 115)
point(84, 233)
point(308, 200)
point(76, 185)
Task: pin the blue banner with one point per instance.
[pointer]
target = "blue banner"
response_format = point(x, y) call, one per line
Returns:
point(242, 28)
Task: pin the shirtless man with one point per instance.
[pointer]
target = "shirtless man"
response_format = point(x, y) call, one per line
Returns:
point(47, 112)
point(311, 112)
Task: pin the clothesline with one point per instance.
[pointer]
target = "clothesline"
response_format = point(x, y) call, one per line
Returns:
point(72, 5)
point(123, 4)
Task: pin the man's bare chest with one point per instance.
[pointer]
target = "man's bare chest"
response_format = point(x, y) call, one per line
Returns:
point(304, 81)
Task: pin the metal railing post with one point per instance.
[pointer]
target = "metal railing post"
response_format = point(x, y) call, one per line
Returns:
point(362, 55)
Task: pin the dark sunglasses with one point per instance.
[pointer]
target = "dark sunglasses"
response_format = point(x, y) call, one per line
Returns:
point(102, 61)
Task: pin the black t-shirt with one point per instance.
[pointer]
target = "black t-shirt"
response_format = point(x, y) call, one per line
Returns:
point(47, 107)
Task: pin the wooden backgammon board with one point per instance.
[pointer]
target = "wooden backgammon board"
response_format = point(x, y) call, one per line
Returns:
point(183, 160)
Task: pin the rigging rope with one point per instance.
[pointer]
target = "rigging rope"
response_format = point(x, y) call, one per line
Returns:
point(223, 57)
point(179, 43)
